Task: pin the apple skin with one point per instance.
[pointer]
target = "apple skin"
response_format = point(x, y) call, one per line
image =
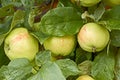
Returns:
point(111, 2)
point(20, 44)
point(60, 45)
point(85, 77)
point(89, 3)
point(92, 37)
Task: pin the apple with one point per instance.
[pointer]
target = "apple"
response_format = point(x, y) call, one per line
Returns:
point(111, 2)
point(60, 45)
point(85, 77)
point(20, 44)
point(89, 3)
point(93, 37)
point(85, 3)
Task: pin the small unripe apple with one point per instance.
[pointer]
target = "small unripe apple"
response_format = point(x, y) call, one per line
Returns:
point(111, 2)
point(93, 37)
point(60, 45)
point(85, 77)
point(88, 3)
point(20, 44)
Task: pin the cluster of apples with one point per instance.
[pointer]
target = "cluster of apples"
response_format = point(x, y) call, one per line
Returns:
point(92, 37)
point(21, 44)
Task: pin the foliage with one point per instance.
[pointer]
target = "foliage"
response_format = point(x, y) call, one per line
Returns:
point(46, 18)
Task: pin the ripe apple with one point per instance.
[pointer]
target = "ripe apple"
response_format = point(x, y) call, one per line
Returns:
point(88, 3)
point(111, 2)
point(20, 44)
point(93, 37)
point(60, 45)
point(85, 77)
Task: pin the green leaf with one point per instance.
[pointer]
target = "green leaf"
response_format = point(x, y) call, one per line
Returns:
point(15, 71)
point(27, 3)
point(68, 67)
point(85, 67)
point(111, 18)
point(113, 13)
point(111, 24)
point(18, 18)
point(3, 58)
point(49, 71)
point(82, 55)
point(29, 12)
point(103, 65)
point(6, 11)
point(115, 38)
point(5, 27)
point(40, 36)
point(98, 13)
point(43, 57)
point(19, 62)
point(10, 73)
point(117, 66)
point(31, 18)
point(26, 19)
point(61, 21)
point(16, 3)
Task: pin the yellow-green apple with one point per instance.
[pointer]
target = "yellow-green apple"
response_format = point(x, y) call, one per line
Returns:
point(60, 45)
point(88, 3)
point(85, 77)
point(85, 3)
point(20, 44)
point(93, 37)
